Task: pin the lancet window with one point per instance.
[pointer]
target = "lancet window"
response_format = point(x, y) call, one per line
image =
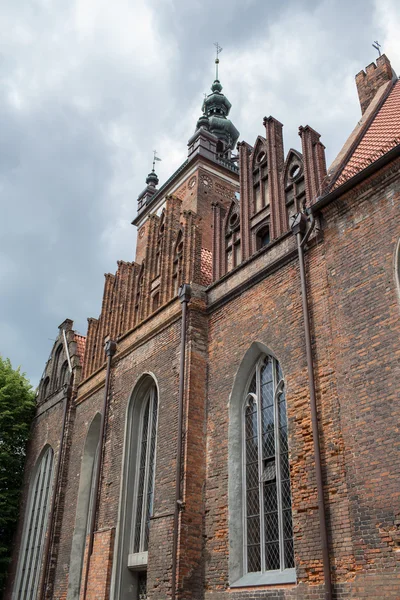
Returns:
point(144, 484)
point(268, 532)
point(139, 289)
point(64, 374)
point(260, 179)
point(56, 368)
point(263, 236)
point(138, 490)
point(295, 194)
point(232, 237)
point(45, 388)
point(36, 520)
point(84, 507)
point(160, 236)
point(177, 265)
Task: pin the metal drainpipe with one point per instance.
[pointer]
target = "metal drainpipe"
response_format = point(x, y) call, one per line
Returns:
point(46, 551)
point(110, 349)
point(184, 294)
point(299, 229)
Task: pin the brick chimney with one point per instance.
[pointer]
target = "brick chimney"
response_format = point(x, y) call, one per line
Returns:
point(370, 81)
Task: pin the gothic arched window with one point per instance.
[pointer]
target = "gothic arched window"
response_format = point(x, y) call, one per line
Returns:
point(263, 237)
point(177, 265)
point(161, 229)
point(138, 489)
point(35, 526)
point(268, 532)
point(84, 506)
point(139, 288)
point(56, 368)
point(64, 374)
point(45, 388)
point(295, 192)
point(260, 176)
point(232, 237)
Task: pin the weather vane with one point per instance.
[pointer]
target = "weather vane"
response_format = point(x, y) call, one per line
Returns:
point(155, 157)
point(377, 46)
point(219, 50)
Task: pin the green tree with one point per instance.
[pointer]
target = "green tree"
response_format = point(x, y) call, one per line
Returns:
point(17, 406)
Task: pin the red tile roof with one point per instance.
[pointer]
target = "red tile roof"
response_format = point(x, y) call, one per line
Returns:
point(382, 135)
point(80, 347)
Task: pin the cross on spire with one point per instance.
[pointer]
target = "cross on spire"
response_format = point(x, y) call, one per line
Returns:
point(377, 46)
point(155, 157)
point(219, 50)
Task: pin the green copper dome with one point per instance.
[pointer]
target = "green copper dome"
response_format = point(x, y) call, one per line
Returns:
point(152, 179)
point(216, 107)
point(203, 122)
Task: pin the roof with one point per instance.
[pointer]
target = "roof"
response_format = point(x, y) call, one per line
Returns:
point(80, 347)
point(381, 135)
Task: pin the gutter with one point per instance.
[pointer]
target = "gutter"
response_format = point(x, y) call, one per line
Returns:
point(184, 295)
point(299, 229)
point(110, 349)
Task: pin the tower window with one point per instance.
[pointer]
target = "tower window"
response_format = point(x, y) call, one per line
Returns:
point(156, 301)
point(263, 237)
point(220, 147)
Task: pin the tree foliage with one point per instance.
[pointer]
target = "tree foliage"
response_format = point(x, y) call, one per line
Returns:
point(17, 405)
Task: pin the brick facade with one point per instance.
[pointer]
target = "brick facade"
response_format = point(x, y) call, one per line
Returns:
point(246, 300)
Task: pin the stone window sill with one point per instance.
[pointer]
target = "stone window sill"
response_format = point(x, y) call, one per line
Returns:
point(137, 561)
point(268, 578)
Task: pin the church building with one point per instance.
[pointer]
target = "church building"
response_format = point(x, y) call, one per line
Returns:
point(228, 428)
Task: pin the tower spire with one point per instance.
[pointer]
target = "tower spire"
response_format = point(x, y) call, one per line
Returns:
point(219, 50)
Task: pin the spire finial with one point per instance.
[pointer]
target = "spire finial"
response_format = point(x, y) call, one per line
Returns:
point(155, 157)
point(219, 50)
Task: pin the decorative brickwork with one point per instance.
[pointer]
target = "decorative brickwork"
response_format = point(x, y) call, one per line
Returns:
point(241, 260)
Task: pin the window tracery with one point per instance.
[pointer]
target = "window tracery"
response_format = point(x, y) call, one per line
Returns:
point(260, 177)
point(295, 193)
point(232, 237)
point(177, 265)
point(268, 532)
point(36, 520)
point(137, 493)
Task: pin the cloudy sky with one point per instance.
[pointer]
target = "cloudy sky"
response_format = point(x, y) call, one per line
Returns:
point(88, 88)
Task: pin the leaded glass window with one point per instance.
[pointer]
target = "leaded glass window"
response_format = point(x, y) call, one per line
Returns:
point(268, 533)
point(144, 485)
point(35, 529)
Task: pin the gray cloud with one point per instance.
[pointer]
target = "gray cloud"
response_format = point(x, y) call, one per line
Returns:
point(88, 88)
